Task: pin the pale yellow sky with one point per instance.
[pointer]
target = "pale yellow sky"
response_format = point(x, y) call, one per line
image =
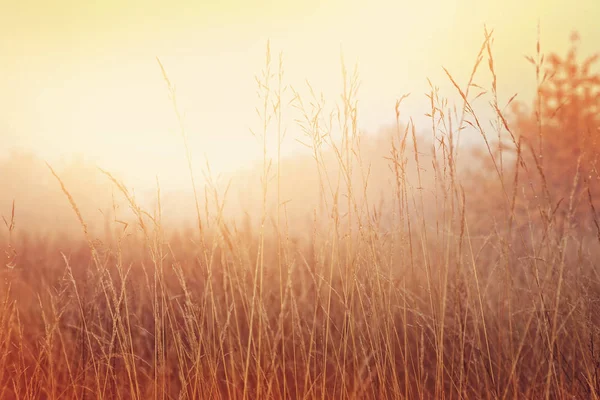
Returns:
point(81, 76)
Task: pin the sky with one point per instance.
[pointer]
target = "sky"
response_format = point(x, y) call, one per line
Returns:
point(82, 77)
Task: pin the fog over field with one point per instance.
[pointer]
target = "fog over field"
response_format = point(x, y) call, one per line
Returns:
point(299, 200)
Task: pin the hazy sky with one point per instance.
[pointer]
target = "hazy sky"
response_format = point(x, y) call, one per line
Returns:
point(81, 76)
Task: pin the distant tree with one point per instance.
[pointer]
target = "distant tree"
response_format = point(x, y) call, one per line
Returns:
point(559, 141)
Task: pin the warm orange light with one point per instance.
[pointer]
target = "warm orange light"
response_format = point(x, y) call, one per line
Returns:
point(78, 77)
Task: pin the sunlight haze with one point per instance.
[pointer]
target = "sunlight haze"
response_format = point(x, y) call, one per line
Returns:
point(82, 77)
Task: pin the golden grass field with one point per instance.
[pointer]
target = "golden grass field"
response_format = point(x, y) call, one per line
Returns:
point(391, 266)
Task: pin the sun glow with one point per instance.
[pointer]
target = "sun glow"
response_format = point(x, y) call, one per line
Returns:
point(83, 78)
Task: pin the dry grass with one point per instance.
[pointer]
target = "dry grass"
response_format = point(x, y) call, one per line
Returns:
point(420, 298)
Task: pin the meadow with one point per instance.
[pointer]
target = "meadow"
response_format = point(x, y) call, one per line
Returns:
point(407, 264)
